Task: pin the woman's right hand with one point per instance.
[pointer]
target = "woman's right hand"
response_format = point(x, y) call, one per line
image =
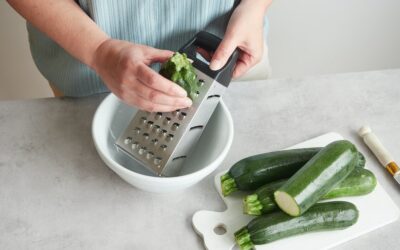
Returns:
point(124, 68)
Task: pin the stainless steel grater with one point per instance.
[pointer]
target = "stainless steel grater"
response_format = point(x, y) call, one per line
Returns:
point(162, 141)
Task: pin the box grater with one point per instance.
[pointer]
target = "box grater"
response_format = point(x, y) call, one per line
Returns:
point(162, 141)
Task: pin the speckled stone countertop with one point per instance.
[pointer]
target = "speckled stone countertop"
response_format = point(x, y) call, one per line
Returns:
point(56, 193)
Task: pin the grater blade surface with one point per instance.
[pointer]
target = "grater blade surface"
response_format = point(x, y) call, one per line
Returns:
point(162, 141)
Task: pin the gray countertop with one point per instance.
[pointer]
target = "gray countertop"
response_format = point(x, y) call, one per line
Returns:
point(56, 193)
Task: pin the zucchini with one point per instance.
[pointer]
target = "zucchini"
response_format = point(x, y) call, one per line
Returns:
point(360, 182)
point(325, 170)
point(278, 225)
point(262, 201)
point(252, 172)
point(181, 71)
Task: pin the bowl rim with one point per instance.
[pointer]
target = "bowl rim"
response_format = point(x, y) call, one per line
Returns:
point(202, 172)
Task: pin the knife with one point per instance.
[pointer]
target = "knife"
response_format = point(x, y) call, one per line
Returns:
point(380, 152)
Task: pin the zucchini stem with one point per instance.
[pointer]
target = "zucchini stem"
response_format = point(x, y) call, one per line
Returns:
point(228, 184)
point(251, 205)
point(242, 238)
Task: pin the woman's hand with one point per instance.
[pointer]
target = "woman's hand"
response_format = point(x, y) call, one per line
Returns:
point(124, 67)
point(245, 31)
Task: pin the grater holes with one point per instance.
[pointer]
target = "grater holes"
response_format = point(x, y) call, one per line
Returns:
point(146, 136)
point(182, 115)
point(158, 115)
point(176, 112)
point(154, 141)
point(167, 120)
point(162, 132)
point(200, 82)
point(135, 145)
point(137, 130)
point(175, 126)
point(149, 155)
point(156, 128)
point(163, 147)
point(128, 140)
point(142, 150)
point(143, 119)
point(157, 161)
point(149, 124)
point(170, 137)
point(196, 94)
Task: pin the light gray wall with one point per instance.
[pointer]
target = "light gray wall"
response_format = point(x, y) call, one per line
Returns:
point(328, 36)
point(306, 38)
point(19, 78)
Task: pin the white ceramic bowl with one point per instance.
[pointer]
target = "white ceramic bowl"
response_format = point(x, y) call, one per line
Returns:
point(112, 116)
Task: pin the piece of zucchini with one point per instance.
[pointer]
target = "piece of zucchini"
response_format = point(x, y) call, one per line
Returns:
point(252, 172)
point(278, 225)
point(180, 70)
point(321, 173)
point(360, 182)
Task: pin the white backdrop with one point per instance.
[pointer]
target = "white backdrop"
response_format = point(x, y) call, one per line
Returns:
point(311, 37)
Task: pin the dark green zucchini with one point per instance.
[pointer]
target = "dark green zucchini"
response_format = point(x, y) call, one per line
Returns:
point(319, 175)
point(360, 182)
point(252, 172)
point(278, 225)
point(262, 201)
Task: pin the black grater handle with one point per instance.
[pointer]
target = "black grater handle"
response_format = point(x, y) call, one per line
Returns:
point(210, 43)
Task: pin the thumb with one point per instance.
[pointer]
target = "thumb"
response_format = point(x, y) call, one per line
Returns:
point(159, 55)
point(223, 52)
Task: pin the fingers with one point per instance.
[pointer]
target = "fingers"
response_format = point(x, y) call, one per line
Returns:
point(159, 55)
point(244, 63)
point(150, 91)
point(158, 97)
point(240, 69)
point(154, 80)
point(223, 52)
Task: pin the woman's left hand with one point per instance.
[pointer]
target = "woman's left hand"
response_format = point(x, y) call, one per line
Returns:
point(245, 31)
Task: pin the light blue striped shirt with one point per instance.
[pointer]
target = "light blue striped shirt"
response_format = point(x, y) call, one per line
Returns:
point(164, 24)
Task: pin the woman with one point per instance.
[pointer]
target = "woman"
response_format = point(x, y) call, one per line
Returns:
point(85, 47)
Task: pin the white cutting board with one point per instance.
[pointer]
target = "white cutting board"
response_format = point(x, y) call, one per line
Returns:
point(375, 210)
